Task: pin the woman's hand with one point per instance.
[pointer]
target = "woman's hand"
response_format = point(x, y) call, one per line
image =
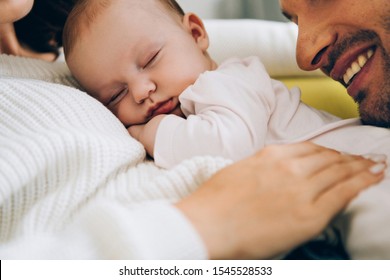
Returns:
point(275, 200)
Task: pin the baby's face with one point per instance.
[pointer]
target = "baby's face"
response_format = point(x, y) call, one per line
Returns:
point(137, 61)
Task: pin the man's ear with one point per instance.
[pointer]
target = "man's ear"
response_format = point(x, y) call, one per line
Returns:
point(195, 26)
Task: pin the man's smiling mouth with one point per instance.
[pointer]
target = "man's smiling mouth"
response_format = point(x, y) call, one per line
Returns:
point(356, 66)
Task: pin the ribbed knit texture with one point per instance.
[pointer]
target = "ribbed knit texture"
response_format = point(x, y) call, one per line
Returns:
point(61, 150)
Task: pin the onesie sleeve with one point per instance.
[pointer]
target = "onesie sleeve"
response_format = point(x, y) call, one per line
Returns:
point(227, 114)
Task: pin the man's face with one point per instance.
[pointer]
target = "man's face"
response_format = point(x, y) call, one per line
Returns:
point(349, 40)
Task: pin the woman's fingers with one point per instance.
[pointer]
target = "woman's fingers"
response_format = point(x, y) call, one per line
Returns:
point(349, 171)
point(303, 159)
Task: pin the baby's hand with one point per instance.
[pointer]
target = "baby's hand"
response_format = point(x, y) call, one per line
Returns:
point(146, 133)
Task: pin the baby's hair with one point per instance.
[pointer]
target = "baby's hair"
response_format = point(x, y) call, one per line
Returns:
point(172, 4)
point(88, 10)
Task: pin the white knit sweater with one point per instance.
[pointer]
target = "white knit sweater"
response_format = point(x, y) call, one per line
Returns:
point(74, 184)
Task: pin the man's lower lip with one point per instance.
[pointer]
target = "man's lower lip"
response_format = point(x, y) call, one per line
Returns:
point(358, 81)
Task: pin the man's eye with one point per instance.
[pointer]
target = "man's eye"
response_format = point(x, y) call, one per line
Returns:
point(116, 98)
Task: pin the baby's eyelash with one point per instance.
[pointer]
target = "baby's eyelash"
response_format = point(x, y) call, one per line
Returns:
point(116, 97)
point(113, 98)
point(152, 59)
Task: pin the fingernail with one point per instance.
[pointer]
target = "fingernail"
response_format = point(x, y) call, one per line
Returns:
point(376, 157)
point(377, 168)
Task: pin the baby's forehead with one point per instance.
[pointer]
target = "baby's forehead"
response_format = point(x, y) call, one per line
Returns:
point(98, 15)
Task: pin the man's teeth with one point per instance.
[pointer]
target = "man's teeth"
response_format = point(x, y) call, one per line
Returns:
point(356, 66)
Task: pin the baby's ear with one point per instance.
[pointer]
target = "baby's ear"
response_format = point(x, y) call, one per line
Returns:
point(196, 27)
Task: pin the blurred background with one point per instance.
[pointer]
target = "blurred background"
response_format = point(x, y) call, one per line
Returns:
point(208, 9)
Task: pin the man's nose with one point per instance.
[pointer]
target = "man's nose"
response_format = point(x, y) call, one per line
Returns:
point(313, 45)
